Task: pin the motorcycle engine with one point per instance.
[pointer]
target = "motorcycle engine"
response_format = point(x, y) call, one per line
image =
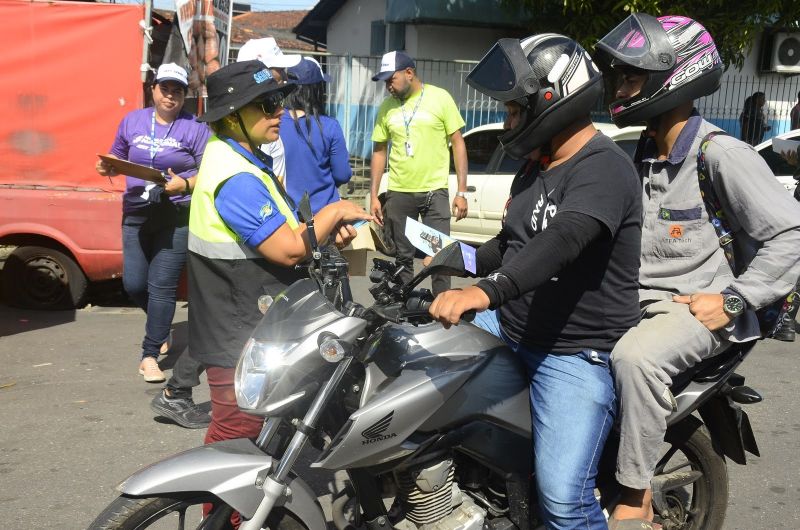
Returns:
point(431, 500)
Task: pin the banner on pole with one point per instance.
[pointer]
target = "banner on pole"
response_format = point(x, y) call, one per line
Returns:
point(204, 27)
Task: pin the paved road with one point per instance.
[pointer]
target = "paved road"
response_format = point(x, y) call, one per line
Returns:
point(74, 419)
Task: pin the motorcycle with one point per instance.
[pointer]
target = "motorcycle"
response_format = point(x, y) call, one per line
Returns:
point(432, 426)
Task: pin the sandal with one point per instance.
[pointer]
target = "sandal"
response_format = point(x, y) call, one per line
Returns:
point(632, 524)
point(149, 369)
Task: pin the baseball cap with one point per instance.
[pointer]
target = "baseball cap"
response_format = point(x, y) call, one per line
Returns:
point(308, 72)
point(172, 72)
point(267, 51)
point(392, 62)
point(233, 86)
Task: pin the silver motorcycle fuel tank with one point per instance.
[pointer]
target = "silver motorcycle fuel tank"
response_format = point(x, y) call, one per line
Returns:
point(428, 379)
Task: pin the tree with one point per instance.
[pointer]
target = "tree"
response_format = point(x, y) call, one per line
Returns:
point(734, 25)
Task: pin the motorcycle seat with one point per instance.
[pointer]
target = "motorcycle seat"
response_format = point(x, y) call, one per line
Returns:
point(713, 368)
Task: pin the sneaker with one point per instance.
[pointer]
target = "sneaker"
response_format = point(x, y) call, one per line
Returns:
point(181, 410)
point(167, 345)
point(150, 370)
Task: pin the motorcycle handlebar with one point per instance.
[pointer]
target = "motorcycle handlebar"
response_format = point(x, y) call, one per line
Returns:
point(419, 306)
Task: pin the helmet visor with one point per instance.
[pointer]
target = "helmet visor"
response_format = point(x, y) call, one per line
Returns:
point(641, 42)
point(504, 73)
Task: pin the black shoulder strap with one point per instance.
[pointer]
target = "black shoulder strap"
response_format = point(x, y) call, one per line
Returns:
point(713, 205)
point(770, 316)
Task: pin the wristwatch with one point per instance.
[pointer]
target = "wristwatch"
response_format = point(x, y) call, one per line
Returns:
point(732, 304)
point(462, 194)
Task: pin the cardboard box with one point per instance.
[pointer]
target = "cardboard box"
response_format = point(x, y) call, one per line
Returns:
point(356, 253)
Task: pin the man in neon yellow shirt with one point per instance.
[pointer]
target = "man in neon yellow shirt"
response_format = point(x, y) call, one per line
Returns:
point(418, 120)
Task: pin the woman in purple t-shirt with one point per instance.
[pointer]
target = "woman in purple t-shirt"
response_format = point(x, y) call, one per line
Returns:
point(155, 218)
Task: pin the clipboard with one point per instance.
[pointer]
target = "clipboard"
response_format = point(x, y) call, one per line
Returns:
point(124, 167)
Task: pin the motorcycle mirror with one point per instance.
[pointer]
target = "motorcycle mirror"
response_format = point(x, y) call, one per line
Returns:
point(304, 209)
point(449, 260)
point(307, 216)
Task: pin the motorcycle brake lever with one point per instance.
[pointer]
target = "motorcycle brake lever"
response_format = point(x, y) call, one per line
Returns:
point(391, 312)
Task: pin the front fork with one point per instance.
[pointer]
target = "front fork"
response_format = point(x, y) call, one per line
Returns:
point(274, 485)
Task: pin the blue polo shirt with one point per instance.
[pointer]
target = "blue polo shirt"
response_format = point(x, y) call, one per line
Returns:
point(245, 204)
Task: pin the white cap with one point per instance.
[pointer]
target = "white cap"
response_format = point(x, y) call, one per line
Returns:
point(267, 51)
point(393, 62)
point(172, 72)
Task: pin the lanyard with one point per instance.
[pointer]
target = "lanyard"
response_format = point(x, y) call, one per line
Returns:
point(153, 146)
point(407, 122)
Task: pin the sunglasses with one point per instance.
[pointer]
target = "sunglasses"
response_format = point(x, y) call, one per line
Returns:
point(270, 104)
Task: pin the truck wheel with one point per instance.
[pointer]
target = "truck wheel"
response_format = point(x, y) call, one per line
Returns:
point(43, 278)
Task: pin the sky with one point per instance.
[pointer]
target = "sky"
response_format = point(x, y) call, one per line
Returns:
point(257, 5)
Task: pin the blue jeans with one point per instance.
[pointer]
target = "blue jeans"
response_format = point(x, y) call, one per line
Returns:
point(573, 406)
point(154, 253)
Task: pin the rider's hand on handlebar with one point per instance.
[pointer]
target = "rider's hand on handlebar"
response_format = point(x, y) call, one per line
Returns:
point(707, 308)
point(449, 306)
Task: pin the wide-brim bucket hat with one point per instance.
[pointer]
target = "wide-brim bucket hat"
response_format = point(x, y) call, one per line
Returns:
point(233, 86)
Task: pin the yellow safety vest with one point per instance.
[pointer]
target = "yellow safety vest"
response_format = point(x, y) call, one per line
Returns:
point(209, 236)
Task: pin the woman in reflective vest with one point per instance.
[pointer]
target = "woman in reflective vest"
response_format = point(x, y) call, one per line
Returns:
point(244, 235)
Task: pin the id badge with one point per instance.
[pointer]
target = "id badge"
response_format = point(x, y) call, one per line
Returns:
point(409, 150)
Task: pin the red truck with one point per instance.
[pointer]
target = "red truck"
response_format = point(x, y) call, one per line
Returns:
point(71, 71)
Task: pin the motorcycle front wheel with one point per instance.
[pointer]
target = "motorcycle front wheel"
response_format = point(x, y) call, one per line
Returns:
point(182, 513)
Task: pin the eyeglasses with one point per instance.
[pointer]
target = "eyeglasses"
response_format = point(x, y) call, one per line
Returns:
point(270, 104)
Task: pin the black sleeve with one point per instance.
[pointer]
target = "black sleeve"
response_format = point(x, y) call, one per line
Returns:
point(489, 256)
point(543, 257)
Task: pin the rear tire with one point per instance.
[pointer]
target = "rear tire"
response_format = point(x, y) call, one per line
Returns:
point(43, 278)
point(702, 504)
point(135, 513)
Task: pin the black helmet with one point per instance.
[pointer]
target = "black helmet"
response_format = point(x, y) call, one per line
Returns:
point(550, 76)
point(678, 55)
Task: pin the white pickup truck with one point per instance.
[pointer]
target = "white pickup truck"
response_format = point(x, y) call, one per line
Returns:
point(489, 177)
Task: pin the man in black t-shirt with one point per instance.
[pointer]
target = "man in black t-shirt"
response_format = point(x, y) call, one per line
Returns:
point(563, 269)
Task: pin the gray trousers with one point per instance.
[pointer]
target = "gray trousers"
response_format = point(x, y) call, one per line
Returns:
point(434, 208)
point(667, 341)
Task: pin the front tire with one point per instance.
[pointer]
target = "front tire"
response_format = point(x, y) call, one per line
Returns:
point(181, 512)
point(700, 505)
point(43, 278)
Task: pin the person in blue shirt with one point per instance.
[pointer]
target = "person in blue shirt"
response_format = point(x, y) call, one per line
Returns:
point(315, 151)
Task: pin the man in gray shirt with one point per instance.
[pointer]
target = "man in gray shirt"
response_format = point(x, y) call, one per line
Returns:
point(693, 305)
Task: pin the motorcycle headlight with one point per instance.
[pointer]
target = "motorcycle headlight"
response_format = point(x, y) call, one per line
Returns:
point(259, 368)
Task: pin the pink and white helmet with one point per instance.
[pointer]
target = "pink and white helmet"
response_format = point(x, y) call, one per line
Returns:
point(678, 55)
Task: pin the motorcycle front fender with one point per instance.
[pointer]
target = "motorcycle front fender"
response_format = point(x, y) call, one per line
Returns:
point(228, 470)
